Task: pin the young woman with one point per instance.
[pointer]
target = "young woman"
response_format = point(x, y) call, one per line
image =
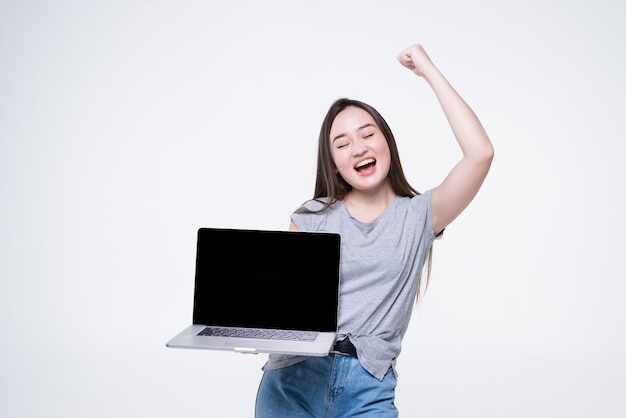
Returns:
point(387, 231)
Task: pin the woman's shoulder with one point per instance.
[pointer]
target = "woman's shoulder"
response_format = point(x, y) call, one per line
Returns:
point(419, 201)
point(315, 214)
point(317, 204)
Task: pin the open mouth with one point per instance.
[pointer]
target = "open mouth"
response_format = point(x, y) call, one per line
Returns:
point(365, 164)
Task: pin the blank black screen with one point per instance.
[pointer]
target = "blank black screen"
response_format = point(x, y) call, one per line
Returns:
point(267, 279)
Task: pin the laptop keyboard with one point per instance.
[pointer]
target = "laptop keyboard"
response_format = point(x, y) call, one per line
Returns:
point(270, 334)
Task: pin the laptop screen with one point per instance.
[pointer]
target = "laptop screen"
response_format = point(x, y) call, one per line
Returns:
point(267, 279)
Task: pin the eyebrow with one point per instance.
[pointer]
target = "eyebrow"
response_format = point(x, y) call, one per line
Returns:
point(367, 125)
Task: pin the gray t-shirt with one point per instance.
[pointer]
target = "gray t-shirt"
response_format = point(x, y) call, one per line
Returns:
point(381, 265)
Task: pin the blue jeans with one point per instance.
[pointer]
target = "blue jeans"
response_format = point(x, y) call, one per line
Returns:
point(325, 387)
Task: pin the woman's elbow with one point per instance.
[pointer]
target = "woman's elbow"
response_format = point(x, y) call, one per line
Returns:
point(487, 153)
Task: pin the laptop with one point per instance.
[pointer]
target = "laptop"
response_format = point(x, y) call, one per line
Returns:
point(261, 291)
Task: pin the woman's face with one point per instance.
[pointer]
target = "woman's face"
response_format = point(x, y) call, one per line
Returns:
point(359, 149)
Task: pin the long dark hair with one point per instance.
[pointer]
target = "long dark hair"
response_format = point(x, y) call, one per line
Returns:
point(331, 187)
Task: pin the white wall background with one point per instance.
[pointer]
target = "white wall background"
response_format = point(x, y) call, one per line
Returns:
point(126, 125)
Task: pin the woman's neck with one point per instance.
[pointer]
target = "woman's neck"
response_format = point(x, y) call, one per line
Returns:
point(365, 206)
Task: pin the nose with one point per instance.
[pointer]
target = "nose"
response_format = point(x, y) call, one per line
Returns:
point(359, 147)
